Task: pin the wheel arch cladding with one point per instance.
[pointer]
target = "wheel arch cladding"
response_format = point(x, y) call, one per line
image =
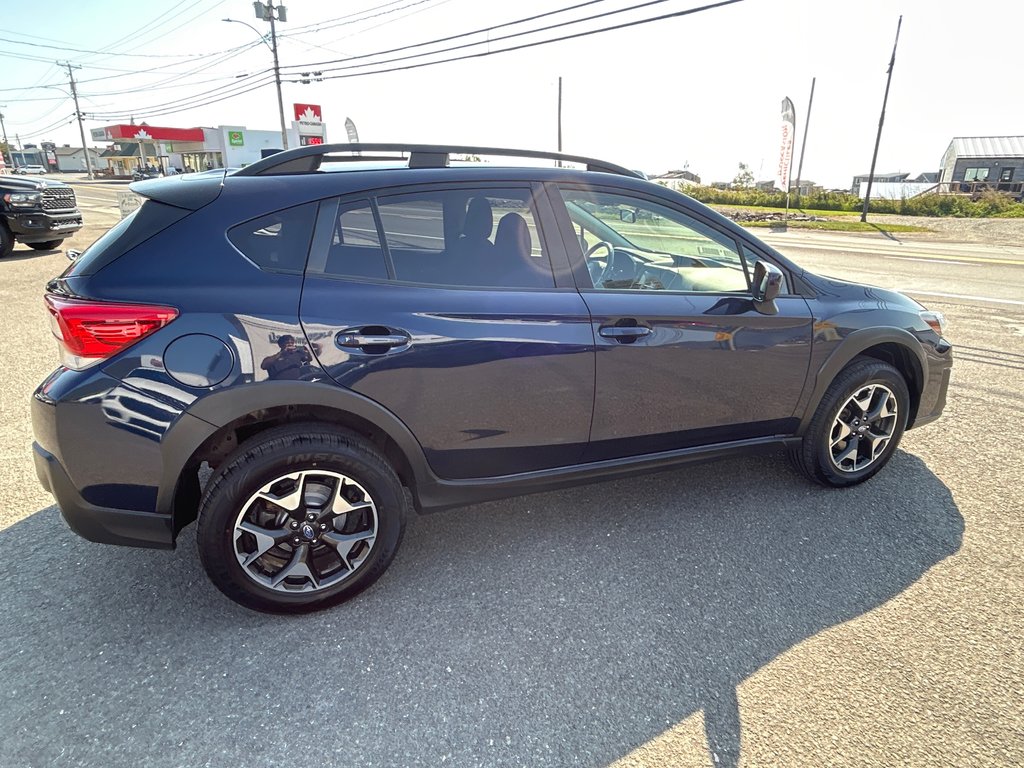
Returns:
point(238, 424)
point(895, 346)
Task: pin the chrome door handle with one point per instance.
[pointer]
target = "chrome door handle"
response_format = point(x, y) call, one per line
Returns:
point(357, 340)
point(624, 333)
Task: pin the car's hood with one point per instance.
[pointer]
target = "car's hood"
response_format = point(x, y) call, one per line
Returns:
point(832, 286)
point(26, 182)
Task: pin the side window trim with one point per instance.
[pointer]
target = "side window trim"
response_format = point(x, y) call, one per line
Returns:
point(323, 231)
point(389, 263)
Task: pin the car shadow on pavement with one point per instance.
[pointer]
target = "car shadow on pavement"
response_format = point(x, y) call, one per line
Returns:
point(23, 254)
point(564, 628)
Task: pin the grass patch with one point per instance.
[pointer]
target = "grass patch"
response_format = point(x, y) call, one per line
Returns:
point(771, 209)
point(836, 226)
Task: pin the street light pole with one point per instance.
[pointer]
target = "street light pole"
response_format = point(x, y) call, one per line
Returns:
point(277, 75)
point(266, 13)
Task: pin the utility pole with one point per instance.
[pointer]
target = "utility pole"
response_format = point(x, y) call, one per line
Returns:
point(266, 12)
point(281, 14)
point(559, 114)
point(78, 114)
point(881, 119)
point(803, 144)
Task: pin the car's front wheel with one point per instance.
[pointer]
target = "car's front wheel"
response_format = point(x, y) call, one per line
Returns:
point(857, 426)
point(299, 519)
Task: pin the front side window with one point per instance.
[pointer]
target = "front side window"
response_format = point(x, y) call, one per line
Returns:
point(634, 244)
point(486, 238)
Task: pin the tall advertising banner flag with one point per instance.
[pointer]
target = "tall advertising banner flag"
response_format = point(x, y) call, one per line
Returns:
point(786, 149)
point(350, 129)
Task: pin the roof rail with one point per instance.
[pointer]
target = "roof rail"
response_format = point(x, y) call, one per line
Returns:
point(308, 159)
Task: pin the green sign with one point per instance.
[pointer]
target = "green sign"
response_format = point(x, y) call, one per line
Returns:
point(235, 139)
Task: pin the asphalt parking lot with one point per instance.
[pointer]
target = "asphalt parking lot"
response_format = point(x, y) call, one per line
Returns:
point(722, 614)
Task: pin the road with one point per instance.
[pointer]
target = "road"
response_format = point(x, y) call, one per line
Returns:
point(723, 614)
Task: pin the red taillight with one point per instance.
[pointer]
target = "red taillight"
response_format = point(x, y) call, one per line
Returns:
point(89, 331)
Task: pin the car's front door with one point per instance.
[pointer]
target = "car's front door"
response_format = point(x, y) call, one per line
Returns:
point(684, 358)
point(443, 305)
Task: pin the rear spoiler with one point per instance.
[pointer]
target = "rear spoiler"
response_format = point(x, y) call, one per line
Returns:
point(189, 191)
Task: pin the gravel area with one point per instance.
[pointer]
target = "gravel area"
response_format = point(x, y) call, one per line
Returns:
point(949, 229)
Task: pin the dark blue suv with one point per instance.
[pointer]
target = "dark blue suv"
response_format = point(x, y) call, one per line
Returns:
point(293, 351)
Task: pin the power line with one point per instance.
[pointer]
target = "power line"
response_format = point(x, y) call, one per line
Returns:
point(508, 49)
point(233, 52)
point(112, 53)
point(66, 120)
point(364, 30)
point(196, 102)
point(315, 27)
point(480, 31)
point(168, 16)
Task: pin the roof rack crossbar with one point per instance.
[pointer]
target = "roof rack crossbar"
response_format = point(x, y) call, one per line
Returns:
point(308, 159)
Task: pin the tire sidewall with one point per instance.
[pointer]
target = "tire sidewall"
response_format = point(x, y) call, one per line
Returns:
point(240, 482)
point(6, 241)
point(830, 408)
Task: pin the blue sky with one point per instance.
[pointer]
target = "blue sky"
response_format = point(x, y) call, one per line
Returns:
point(702, 90)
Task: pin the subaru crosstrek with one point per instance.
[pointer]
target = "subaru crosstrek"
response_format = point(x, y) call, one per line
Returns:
point(292, 352)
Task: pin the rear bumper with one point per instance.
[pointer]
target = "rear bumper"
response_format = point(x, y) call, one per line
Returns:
point(104, 525)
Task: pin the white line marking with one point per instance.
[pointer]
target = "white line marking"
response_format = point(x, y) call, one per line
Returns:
point(934, 261)
point(962, 296)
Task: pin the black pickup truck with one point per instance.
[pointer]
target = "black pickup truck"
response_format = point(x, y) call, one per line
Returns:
point(38, 213)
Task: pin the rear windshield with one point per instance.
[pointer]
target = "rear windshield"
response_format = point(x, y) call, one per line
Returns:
point(152, 217)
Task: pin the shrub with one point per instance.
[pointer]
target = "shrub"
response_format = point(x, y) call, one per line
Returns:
point(989, 204)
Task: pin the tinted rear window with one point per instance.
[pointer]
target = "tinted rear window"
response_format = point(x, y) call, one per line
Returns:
point(278, 242)
point(152, 217)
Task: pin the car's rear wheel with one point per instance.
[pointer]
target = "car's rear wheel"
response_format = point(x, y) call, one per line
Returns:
point(49, 245)
point(858, 425)
point(299, 519)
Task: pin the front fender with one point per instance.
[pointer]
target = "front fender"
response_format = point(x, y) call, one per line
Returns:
point(854, 344)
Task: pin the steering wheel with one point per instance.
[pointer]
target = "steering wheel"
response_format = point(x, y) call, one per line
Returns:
point(599, 274)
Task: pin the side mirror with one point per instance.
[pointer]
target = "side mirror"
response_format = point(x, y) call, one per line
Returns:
point(627, 216)
point(72, 255)
point(766, 287)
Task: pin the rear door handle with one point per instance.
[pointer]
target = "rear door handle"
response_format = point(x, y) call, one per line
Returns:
point(371, 342)
point(624, 334)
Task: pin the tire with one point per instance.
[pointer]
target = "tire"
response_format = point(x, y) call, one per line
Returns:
point(6, 241)
point(272, 548)
point(49, 245)
point(841, 447)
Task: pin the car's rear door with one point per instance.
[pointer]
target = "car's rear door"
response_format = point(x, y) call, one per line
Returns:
point(483, 349)
point(684, 358)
